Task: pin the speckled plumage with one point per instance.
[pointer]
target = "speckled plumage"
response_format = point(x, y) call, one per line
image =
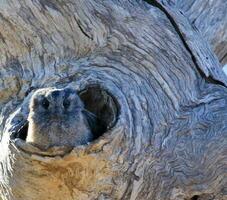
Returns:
point(56, 119)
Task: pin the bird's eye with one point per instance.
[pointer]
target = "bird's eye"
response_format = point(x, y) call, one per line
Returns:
point(45, 103)
point(66, 103)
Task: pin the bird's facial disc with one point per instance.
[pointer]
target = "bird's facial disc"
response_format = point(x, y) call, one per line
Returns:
point(56, 103)
point(71, 101)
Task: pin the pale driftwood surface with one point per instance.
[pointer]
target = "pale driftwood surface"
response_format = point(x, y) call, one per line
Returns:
point(170, 139)
point(210, 17)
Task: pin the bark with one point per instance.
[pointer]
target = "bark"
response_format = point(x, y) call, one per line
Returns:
point(161, 93)
point(210, 17)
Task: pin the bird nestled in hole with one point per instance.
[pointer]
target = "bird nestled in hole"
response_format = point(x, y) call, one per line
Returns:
point(57, 117)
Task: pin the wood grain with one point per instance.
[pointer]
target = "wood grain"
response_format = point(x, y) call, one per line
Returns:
point(170, 139)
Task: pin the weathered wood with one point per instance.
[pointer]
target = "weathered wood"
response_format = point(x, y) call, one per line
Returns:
point(210, 18)
point(193, 40)
point(170, 138)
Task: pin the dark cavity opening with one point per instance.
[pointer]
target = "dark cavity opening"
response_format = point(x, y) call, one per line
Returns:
point(195, 197)
point(101, 109)
point(20, 131)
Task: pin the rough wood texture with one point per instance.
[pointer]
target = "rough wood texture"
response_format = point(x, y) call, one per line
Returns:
point(210, 17)
point(170, 139)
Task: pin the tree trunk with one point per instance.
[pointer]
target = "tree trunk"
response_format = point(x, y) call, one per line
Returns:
point(210, 17)
point(149, 74)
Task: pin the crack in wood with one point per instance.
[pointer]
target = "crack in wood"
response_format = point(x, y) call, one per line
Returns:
point(202, 70)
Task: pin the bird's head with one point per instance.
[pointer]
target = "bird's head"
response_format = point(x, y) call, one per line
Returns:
point(55, 104)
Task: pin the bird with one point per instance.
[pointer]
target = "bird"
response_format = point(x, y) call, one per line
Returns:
point(57, 117)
